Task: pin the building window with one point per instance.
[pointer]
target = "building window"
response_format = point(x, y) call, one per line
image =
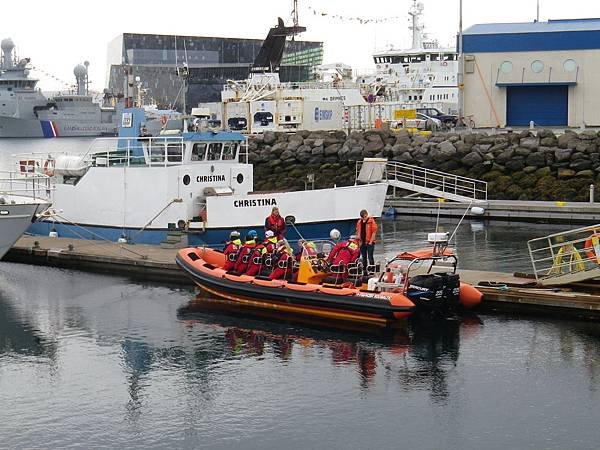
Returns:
point(570, 65)
point(506, 67)
point(537, 66)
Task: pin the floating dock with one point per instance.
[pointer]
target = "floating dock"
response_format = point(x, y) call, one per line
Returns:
point(525, 211)
point(502, 292)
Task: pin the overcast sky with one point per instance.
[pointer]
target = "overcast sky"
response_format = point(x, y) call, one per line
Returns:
point(59, 34)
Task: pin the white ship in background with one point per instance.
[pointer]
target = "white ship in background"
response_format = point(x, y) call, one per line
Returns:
point(423, 76)
point(26, 112)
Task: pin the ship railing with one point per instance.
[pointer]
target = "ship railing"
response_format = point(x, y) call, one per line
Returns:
point(25, 184)
point(566, 257)
point(136, 151)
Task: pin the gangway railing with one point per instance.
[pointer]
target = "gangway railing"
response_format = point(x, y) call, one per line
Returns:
point(568, 257)
point(431, 182)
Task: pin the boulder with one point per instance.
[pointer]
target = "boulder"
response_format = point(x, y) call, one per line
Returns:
point(269, 137)
point(333, 149)
point(536, 159)
point(374, 146)
point(287, 155)
point(505, 156)
point(565, 173)
point(529, 142)
point(472, 159)
point(447, 149)
point(516, 164)
point(317, 151)
point(522, 151)
point(562, 154)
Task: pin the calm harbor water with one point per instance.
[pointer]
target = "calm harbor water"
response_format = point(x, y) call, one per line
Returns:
point(93, 361)
point(96, 361)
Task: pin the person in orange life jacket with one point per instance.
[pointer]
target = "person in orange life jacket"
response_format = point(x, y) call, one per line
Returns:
point(366, 230)
point(345, 252)
point(257, 255)
point(275, 223)
point(231, 250)
point(283, 262)
point(245, 252)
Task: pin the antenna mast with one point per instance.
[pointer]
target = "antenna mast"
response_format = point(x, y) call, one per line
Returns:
point(295, 13)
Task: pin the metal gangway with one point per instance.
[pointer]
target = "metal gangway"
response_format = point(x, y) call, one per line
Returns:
point(421, 180)
point(565, 258)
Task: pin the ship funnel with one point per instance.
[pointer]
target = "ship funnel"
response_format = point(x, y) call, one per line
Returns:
point(7, 46)
point(81, 75)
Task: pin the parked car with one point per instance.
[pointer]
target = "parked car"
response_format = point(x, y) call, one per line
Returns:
point(425, 122)
point(447, 120)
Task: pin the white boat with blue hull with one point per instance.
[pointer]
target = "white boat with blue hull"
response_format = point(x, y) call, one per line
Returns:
point(196, 184)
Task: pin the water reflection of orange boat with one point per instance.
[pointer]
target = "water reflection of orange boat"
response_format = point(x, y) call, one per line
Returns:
point(419, 354)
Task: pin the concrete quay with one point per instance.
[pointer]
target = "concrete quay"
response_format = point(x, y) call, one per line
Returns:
point(527, 211)
point(503, 292)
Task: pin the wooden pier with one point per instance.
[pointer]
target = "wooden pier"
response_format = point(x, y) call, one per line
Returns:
point(528, 211)
point(502, 292)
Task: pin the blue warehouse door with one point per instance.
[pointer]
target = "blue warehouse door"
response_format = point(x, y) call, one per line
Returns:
point(545, 105)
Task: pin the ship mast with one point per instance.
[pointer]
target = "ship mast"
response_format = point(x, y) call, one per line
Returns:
point(415, 13)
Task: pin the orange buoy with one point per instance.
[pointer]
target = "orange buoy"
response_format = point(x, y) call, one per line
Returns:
point(469, 296)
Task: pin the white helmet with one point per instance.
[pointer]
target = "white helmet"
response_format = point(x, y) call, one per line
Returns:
point(335, 234)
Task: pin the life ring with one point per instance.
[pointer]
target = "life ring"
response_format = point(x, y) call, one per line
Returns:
point(49, 165)
point(164, 119)
point(444, 63)
point(592, 247)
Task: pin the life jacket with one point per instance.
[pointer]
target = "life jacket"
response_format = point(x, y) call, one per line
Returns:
point(276, 224)
point(370, 229)
point(232, 249)
point(246, 250)
point(344, 252)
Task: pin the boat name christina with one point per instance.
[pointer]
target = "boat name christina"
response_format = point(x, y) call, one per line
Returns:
point(254, 202)
point(209, 178)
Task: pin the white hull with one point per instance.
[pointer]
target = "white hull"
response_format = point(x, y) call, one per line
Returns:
point(14, 221)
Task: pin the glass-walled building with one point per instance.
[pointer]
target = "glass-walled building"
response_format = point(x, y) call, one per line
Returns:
point(211, 61)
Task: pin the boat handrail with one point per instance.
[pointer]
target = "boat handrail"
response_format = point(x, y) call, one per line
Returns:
point(25, 184)
point(566, 257)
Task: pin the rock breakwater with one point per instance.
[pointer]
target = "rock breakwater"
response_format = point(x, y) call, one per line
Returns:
point(517, 165)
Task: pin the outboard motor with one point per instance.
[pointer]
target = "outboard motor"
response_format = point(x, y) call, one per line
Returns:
point(437, 293)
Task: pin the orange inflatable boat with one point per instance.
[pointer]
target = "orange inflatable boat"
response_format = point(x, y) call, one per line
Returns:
point(310, 297)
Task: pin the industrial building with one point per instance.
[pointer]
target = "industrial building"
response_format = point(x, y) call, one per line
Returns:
point(545, 72)
point(211, 62)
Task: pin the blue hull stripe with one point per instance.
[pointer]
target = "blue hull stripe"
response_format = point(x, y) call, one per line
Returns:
point(47, 128)
point(212, 238)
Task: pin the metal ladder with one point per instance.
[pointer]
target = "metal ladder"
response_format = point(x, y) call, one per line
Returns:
point(564, 258)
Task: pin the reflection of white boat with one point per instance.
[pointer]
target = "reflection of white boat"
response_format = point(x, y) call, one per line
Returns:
point(195, 184)
point(22, 196)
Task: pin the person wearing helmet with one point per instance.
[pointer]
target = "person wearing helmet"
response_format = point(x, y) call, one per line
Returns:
point(243, 259)
point(366, 230)
point(335, 235)
point(283, 262)
point(260, 253)
point(275, 223)
point(231, 250)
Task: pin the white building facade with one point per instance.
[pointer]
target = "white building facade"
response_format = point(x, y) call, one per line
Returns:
point(541, 72)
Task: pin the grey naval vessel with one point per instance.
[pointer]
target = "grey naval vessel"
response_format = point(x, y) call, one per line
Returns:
point(26, 112)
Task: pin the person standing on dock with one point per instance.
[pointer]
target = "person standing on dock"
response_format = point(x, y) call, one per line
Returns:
point(366, 230)
point(275, 223)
